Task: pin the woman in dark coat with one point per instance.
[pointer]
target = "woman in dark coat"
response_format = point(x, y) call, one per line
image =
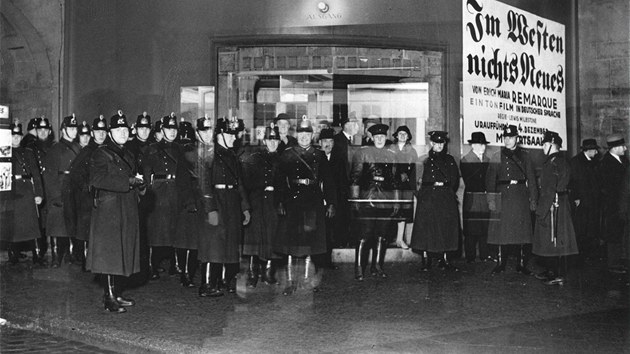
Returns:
point(554, 237)
point(436, 223)
point(27, 193)
point(225, 201)
point(114, 244)
point(259, 172)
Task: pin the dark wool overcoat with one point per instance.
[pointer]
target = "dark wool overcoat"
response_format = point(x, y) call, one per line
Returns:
point(436, 223)
point(302, 231)
point(475, 208)
point(554, 180)
point(24, 190)
point(611, 174)
point(223, 192)
point(114, 244)
point(513, 201)
point(56, 169)
point(77, 199)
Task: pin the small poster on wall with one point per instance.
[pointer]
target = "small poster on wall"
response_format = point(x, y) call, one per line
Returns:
point(514, 72)
point(5, 150)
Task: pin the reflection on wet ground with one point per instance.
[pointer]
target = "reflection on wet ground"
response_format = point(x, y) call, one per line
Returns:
point(410, 311)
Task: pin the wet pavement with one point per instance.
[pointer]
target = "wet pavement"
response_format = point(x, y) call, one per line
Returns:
point(409, 312)
point(16, 340)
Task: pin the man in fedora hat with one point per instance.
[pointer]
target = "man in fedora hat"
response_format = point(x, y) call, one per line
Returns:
point(476, 215)
point(114, 247)
point(584, 188)
point(611, 173)
point(512, 195)
point(56, 169)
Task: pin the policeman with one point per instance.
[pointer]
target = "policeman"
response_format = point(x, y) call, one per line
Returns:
point(474, 166)
point(373, 180)
point(160, 171)
point(227, 207)
point(512, 194)
point(78, 199)
point(114, 236)
point(31, 137)
point(56, 169)
point(41, 146)
point(140, 144)
point(304, 184)
point(188, 218)
point(612, 172)
point(158, 135)
point(554, 237)
point(84, 134)
point(436, 223)
point(259, 173)
point(27, 193)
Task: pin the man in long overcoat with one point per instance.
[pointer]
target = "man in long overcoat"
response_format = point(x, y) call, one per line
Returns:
point(27, 193)
point(512, 195)
point(436, 223)
point(304, 183)
point(611, 172)
point(227, 207)
point(474, 166)
point(114, 244)
point(554, 237)
point(56, 169)
point(584, 192)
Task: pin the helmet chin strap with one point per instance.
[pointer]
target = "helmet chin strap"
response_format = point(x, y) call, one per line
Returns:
point(548, 150)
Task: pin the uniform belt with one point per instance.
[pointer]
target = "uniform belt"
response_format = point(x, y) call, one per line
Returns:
point(378, 178)
point(269, 189)
point(22, 176)
point(512, 181)
point(436, 184)
point(224, 186)
point(163, 176)
point(63, 172)
point(304, 181)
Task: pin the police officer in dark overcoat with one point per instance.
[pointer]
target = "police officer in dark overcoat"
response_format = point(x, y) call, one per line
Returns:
point(78, 199)
point(436, 222)
point(159, 167)
point(42, 144)
point(554, 237)
point(584, 189)
point(373, 184)
point(611, 172)
point(31, 134)
point(114, 244)
point(259, 173)
point(187, 233)
point(227, 207)
point(476, 215)
point(26, 193)
point(56, 169)
point(307, 195)
point(512, 194)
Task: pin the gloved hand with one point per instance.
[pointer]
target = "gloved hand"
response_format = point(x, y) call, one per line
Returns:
point(404, 177)
point(213, 218)
point(280, 210)
point(246, 217)
point(492, 205)
point(191, 208)
point(38, 200)
point(330, 211)
point(135, 182)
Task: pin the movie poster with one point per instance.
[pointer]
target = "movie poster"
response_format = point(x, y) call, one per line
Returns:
point(514, 72)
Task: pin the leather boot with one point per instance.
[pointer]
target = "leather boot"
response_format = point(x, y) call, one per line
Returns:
point(360, 262)
point(209, 281)
point(291, 280)
point(84, 258)
point(153, 271)
point(72, 259)
point(124, 302)
point(14, 258)
point(425, 261)
point(186, 277)
point(109, 299)
point(521, 264)
point(269, 275)
point(175, 268)
point(502, 261)
point(447, 265)
point(55, 262)
point(377, 266)
point(38, 257)
point(252, 272)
